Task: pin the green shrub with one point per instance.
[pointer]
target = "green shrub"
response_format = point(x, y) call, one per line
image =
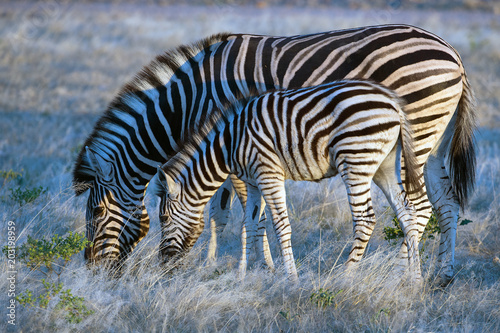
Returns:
point(50, 257)
point(394, 234)
point(74, 306)
point(25, 196)
point(324, 297)
point(51, 290)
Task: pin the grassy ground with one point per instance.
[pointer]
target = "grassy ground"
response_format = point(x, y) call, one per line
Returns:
point(61, 64)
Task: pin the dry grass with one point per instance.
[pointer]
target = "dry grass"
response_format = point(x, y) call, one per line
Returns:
point(59, 68)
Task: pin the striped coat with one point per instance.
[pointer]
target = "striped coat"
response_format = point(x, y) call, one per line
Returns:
point(348, 127)
point(153, 115)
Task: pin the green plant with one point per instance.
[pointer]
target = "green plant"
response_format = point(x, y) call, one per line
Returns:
point(465, 222)
point(25, 196)
point(394, 234)
point(324, 297)
point(8, 176)
point(74, 306)
point(288, 316)
point(51, 289)
point(50, 257)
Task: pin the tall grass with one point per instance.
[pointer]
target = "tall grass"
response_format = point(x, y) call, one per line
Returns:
point(55, 83)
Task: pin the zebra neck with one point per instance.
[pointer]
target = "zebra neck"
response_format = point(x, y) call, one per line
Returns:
point(204, 171)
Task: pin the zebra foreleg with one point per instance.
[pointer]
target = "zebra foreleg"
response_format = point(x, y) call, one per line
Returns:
point(219, 215)
point(263, 251)
point(253, 211)
point(273, 191)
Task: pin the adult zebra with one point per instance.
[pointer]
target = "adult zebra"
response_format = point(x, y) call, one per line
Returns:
point(153, 115)
point(346, 127)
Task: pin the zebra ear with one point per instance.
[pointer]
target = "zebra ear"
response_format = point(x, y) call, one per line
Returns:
point(102, 168)
point(166, 184)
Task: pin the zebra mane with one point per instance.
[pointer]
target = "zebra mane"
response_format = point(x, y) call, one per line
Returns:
point(156, 74)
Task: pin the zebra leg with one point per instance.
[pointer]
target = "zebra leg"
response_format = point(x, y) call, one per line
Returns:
point(273, 191)
point(406, 215)
point(423, 212)
point(219, 215)
point(407, 219)
point(363, 218)
point(263, 251)
point(389, 179)
point(447, 209)
point(253, 210)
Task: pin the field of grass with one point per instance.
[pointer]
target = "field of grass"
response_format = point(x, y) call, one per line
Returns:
point(61, 64)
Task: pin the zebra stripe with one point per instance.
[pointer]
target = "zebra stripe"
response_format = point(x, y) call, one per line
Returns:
point(349, 128)
point(168, 100)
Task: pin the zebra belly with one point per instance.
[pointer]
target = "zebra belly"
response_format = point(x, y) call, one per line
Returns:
point(309, 164)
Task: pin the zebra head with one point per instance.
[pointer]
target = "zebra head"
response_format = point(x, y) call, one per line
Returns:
point(181, 219)
point(115, 221)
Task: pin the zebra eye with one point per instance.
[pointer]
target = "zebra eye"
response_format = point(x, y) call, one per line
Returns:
point(165, 219)
point(99, 211)
point(173, 198)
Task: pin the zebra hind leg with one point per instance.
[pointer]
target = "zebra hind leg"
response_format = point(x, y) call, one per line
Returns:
point(357, 180)
point(389, 181)
point(447, 209)
point(406, 216)
point(423, 212)
point(363, 216)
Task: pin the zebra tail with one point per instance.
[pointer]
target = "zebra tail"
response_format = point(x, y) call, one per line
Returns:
point(462, 154)
point(412, 177)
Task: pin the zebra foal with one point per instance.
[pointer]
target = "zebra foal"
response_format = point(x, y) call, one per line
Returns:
point(348, 127)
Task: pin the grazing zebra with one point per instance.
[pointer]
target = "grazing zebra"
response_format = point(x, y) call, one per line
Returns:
point(348, 127)
point(153, 115)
